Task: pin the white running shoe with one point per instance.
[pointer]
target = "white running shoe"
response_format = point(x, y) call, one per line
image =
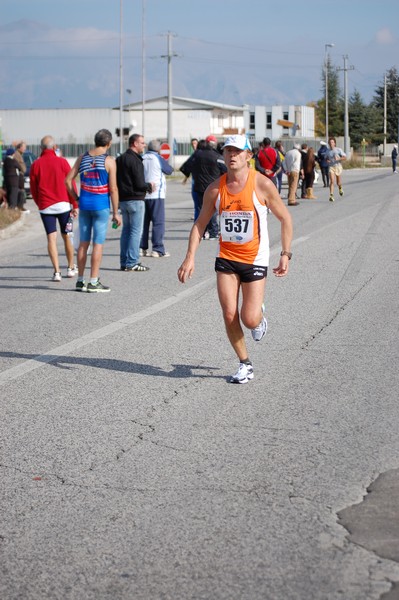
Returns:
point(71, 271)
point(57, 277)
point(244, 374)
point(259, 331)
point(156, 254)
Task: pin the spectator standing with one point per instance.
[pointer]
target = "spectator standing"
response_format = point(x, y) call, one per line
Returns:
point(322, 160)
point(19, 157)
point(303, 151)
point(335, 157)
point(267, 161)
point(132, 188)
point(205, 165)
point(194, 146)
point(281, 153)
point(11, 178)
point(309, 164)
point(97, 171)
point(394, 156)
point(292, 166)
point(155, 169)
point(47, 183)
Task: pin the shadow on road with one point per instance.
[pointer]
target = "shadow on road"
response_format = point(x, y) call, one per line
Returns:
point(180, 371)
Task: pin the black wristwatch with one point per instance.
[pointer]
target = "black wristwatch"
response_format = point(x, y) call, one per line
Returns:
point(285, 253)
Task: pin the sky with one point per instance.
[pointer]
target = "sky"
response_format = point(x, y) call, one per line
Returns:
point(66, 53)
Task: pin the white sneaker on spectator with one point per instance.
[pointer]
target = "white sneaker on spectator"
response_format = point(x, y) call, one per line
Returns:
point(156, 254)
point(71, 271)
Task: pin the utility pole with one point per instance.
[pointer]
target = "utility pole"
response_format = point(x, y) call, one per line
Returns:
point(120, 79)
point(326, 66)
point(143, 69)
point(346, 114)
point(169, 56)
point(385, 114)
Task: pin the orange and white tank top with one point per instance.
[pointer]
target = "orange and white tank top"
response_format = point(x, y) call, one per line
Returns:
point(244, 236)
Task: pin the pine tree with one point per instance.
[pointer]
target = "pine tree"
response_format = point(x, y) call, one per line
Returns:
point(392, 86)
point(335, 104)
point(359, 123)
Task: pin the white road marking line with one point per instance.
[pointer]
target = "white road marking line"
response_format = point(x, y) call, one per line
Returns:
point(47, 357)
point(51, 356)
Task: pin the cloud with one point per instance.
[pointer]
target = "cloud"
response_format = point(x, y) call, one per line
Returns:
point(384, 36)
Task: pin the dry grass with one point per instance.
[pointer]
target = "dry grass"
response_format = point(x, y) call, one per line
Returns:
point(8, 217)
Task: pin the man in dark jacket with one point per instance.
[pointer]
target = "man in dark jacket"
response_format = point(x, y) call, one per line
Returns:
point(132, 189)
point(394, 157)
point(11, 178)
point(205, 165)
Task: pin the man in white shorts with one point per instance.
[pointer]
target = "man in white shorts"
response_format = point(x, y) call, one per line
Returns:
point(334, 158)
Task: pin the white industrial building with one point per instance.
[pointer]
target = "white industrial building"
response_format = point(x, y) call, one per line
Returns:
point(66, 125)
point(277, 122)
point(191, 118)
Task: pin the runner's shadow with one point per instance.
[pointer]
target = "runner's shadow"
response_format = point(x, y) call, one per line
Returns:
point(179, 371)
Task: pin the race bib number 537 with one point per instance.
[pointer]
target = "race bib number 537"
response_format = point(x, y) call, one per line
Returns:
point(237, 226)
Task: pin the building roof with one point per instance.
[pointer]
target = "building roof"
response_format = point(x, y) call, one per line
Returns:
point(161, 103)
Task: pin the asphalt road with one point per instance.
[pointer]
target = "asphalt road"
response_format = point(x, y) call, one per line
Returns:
point(130, 468)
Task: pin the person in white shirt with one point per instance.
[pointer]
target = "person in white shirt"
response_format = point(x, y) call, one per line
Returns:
point(155, 169)
point(292, 165)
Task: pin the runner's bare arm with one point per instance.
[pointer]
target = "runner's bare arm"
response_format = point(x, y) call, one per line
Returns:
point(73, 173)
point(110, 165)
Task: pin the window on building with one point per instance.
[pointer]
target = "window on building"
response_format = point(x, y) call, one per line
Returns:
point(286, 130)
point(252, 121)
point(268, 120)
point(220, 120)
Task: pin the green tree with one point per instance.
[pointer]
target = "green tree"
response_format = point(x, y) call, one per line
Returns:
point(359, 123)
point(335, 104)
point(392, 87)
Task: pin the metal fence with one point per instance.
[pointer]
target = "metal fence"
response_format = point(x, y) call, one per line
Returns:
point(182, 147)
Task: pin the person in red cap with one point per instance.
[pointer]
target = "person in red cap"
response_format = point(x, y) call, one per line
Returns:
point(205, 165)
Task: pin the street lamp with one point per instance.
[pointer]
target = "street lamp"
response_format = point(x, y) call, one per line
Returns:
point(326, 77)
point(121, 76)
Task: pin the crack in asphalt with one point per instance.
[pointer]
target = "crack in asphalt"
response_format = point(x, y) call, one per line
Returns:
point(337, 313)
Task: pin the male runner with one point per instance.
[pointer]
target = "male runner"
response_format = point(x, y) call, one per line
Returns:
point(334, 157)
point(241, 197)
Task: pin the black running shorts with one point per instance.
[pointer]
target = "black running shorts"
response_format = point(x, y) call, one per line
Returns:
point(245, 272)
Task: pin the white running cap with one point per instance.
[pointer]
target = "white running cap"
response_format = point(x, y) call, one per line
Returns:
point(238, 141)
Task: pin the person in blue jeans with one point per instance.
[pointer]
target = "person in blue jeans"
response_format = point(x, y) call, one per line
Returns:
point(155, 169)
point(132, 189)
point(97, 171)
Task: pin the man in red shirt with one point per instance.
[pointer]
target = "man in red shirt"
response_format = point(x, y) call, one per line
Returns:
point(267, 161)
point(47, 182)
